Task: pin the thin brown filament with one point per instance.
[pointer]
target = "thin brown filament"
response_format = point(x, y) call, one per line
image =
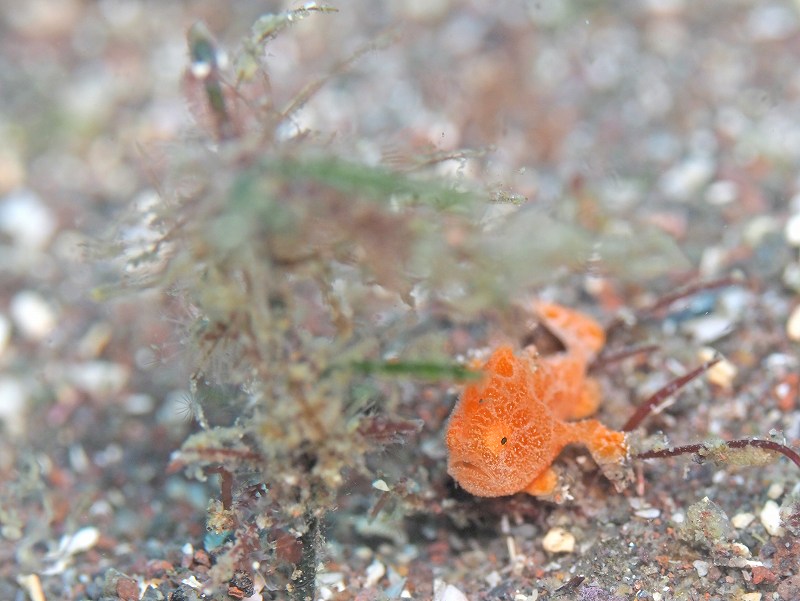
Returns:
point(226, 485)
point(609, 358)
point(666, 301)
point(769, 445)
point(661, 395)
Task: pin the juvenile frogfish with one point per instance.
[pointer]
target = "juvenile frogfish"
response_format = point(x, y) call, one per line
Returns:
point(508, 428)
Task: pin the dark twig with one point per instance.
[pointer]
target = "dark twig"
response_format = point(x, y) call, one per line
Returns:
point(570, 586)
point(379, 505)
point(654, 401)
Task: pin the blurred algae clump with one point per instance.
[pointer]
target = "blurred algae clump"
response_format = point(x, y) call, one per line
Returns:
point(303, 276)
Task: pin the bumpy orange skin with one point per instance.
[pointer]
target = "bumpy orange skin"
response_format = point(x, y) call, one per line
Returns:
point(507, 429)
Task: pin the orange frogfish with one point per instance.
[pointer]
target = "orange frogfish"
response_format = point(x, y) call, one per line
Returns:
point(508, 428)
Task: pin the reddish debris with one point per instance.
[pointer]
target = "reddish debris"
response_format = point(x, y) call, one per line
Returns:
point(762, 574)
point(127, 589)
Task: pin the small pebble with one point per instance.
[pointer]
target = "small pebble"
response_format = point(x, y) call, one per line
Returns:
point(720, 374)
point(637, 503)
point(793, 325)
point(99, 378)
point(26, 219)
point(708, 328)
point(722, 192)
point(12, 170)
point(447, 592)
point(192, 581)
point(95, 340)
point(127, 589)
point(139, 404)
point(375, 571)
point(643, 509)
point(380, 485)
point(742, 520)
point(685, 179)
point(770, 22)
point(735, 302)
point(664, 8)
point(332, 579)
point(78, 459)
point(780, 362)
point(739, 550)
point(424, 10)
point(33, 315)
point(706, 526)
point(13, 399)
point(775, 491)
point(186, 591)
point(712, 260)
point(770, 517)
point(5, 333)
point(11, 531)
point(792, 230)
point(758, 228)
point(83, 540)
point(751, 597)
point(152, 593)
point(650, 513)
point(558, 540)
point(701, 567)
